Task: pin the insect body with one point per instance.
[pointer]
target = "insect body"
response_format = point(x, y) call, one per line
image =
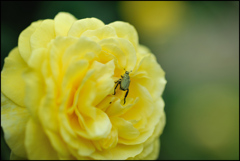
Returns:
point(124, 84)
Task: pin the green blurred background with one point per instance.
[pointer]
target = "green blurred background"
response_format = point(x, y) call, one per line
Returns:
point(197, 45)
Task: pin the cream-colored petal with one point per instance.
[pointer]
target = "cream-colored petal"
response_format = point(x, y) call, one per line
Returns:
point(155, 152)
point(57, 48)
point(150, 123)
point(112, 46)
point(78, 50)
point(37, 58)
point(35, 90)
point(156, 134)
point(80, 26)
point(109, 142)
point(101, 33)
point(74, 74)
point(24, 40)
point(77, 145)
point(103, 77)
point(144, 107)
point(63, 22)
point(120, 152)
point(12, 83)
point(95, 121)
point(13, 122)
point(125, 128)
point(43, 35)
point(48, 110)
point(150, 152)
point(126, 31)
point(154, 72)
point(58, 144)
point(117, 109)
point(130, 53)
point(37, 143)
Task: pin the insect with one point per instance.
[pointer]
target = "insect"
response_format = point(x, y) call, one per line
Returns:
point(124, 84)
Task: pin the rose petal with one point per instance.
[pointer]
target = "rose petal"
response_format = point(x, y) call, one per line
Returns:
point(24, 40)
point(63, 22)
point(126, 31)
point(101, 33)
point(77, 145)
point(150, 152)
point(13, 121)
point(12, 83)
point(155, 152)
point(80, 26)
point(59, 145)
point(120, 152)
point(37, 143)
point(57, 48)
point(103, 77)
point(43, 34)
point(125, 128)
point(35, 90)
point(112, 46)
point(78, 50)
point(130, 53)
point(95, 121)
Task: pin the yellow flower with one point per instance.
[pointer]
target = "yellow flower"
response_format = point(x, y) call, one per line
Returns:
point(57, 92)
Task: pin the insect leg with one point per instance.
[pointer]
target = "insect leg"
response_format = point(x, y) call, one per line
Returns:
point(118, 82)
point(126, 96)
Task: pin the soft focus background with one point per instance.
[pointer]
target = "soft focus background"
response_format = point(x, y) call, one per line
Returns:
point(197, 45)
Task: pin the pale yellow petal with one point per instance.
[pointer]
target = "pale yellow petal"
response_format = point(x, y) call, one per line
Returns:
point(24, 40)
point(117, 109)
point(101, 33)
point(155, 152)
point(12, 83)
point(13, 122)
point(35, 89)
point(78, 50)
point(157, 132)
point(112, 46)
point(37, 58)
point(48, 110)
point(130, 53)
point(59, 145)
point(144, 107)
point(154, 72)
point(126, 31)
point(80, 26)
point(57, 48)
point(103, 77)
point(109, 142)
point(77, 145)
point(37, 143)
point(95, 121)
point(63, 22)
point(43, 35)
point(150, 152)
point(120, 152)
point(147, 129)
point(74, 75)
point(125, 128)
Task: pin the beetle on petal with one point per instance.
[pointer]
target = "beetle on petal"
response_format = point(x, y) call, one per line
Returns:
point(124, 84)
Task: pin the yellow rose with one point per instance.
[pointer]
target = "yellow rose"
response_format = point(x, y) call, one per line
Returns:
point(57, 92)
